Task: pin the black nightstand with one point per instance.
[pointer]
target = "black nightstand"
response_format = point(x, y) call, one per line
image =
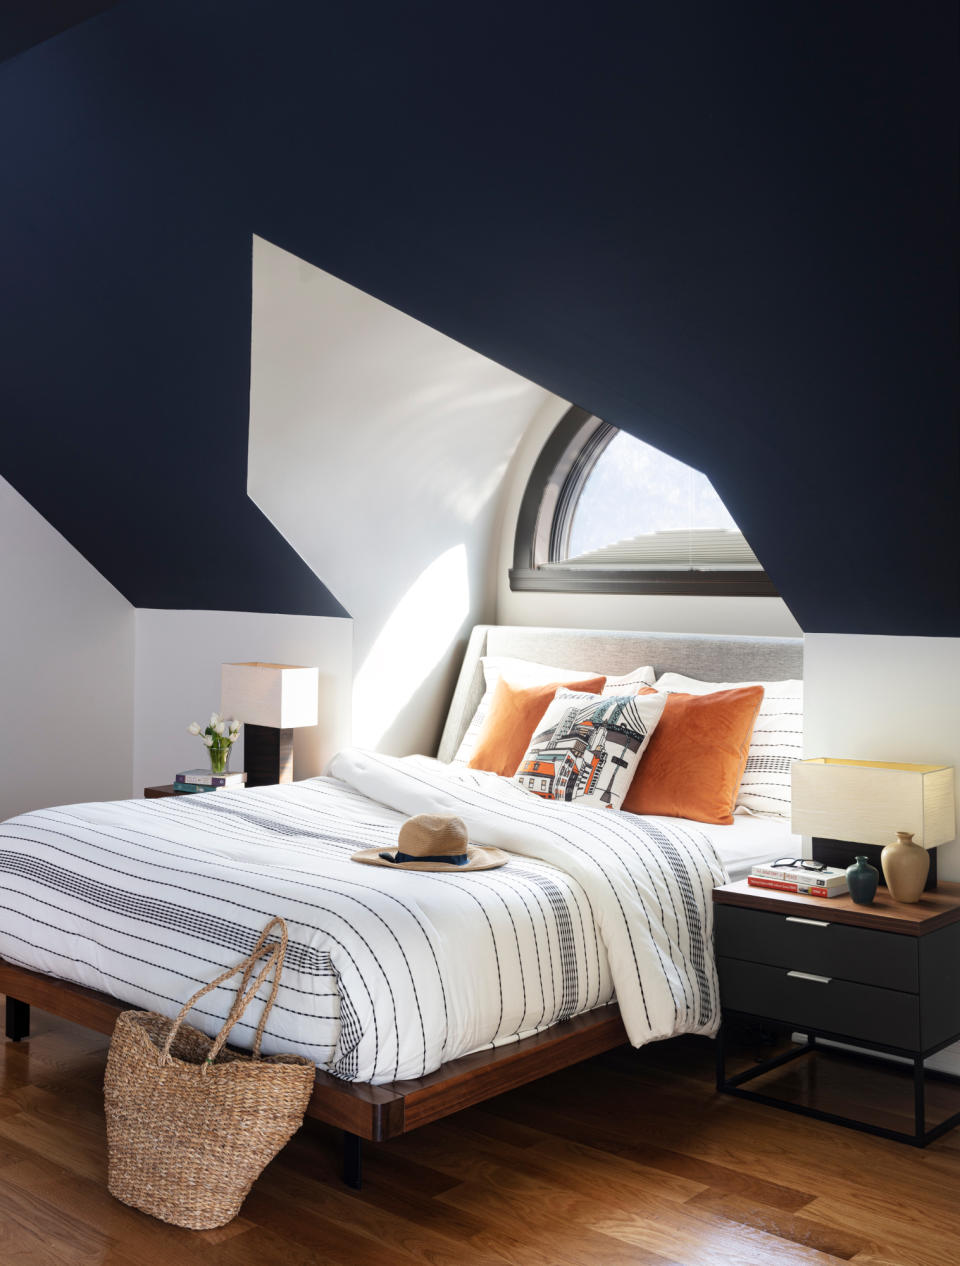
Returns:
point(884, 977)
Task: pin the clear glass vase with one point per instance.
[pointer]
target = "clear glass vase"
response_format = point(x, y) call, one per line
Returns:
point(219, 756)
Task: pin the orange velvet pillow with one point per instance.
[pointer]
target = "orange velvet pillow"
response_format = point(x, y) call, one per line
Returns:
point(515, 712)
point(696, 757)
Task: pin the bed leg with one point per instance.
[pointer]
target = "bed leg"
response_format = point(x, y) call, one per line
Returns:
point(351, 1160)
point(17, 1019)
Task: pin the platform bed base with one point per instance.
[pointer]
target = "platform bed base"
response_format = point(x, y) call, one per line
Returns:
point(362, 1111)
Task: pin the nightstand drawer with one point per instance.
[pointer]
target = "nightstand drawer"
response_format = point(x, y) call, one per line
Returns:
point(801, 942)
point(885, 1016)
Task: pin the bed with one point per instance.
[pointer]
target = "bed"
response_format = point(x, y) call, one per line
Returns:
point(415, 994)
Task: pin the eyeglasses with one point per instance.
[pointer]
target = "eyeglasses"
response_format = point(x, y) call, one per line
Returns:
point(799, 863)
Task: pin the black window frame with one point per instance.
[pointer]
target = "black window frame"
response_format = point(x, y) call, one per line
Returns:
point(546, 514)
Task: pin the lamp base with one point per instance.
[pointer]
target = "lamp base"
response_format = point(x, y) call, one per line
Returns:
point(841, 853)
point(267, 755)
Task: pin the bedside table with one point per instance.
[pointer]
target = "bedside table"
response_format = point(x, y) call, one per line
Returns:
point(884, 977)
point(168, 789)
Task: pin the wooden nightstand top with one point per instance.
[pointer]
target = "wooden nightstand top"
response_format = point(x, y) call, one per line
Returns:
point(168, 789)
point(934, 910)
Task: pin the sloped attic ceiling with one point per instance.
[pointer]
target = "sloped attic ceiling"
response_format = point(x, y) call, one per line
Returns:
point(376, 444)
point(725, 229)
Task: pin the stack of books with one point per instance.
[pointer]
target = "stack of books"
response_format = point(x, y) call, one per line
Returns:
point(203, 780)
point(829, 882)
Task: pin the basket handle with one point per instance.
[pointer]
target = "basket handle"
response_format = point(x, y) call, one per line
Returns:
point(275, 953)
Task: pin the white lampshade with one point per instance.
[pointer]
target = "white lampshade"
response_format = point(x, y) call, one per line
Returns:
point(867, 802)
point(283, 696)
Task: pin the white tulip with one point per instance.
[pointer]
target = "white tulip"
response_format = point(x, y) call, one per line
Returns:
point(193, 728)
point(207, 740)
point(214, 720)
point(220, 728)
point(234, 726)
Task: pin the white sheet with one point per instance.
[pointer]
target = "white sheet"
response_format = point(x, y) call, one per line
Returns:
point(750, 840)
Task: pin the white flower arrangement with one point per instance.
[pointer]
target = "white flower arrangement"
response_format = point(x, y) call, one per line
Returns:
point(218, 736)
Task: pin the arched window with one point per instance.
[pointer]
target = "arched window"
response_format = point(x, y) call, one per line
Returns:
point(606, 513)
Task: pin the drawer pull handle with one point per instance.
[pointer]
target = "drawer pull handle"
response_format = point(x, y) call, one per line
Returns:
point(810, 923)
point(805, 975)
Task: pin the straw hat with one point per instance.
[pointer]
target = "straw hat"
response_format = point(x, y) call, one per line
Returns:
point(431, 841)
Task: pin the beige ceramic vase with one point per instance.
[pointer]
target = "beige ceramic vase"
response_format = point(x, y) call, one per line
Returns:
point(905, 867)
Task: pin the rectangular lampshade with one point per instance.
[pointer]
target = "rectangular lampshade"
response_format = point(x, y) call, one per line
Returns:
point(867, 802)
point(283, 696)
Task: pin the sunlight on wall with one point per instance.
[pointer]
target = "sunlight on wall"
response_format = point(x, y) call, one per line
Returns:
point(415, 638)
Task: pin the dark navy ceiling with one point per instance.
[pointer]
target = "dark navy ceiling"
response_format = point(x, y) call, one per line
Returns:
point(24, 23)
point(726, 228)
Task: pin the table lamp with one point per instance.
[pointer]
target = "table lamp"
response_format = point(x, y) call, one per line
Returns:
point(853, 807)
point(272, 700)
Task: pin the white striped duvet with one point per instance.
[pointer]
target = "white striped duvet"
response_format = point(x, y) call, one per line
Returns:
point(389, 973)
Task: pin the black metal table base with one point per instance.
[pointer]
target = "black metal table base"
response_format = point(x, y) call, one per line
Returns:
point(920, 1137)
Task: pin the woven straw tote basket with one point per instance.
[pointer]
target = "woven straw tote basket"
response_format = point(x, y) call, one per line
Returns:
point(191, 1125)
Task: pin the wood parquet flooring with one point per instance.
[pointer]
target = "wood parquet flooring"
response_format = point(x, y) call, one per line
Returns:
point(628, 1160)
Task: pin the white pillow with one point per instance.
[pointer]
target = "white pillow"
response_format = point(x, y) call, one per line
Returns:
point(776, 743)
point(523, 672)
point(587, 747)
point(631, 682)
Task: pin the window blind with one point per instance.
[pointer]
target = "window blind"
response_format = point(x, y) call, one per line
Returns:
point(676, 549)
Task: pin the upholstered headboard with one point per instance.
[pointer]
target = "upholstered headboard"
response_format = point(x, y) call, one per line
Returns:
point(711, 658)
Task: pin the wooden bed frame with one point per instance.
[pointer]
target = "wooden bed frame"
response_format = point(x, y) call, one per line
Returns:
point(360, 1110)
point(377, 1113)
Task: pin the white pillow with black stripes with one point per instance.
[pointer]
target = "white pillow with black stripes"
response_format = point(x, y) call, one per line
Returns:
point(777, 739)
point(524, 672)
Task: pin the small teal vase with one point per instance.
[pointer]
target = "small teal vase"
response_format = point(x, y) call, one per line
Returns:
point(862, 879)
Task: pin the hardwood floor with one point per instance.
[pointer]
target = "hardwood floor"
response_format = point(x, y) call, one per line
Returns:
point(630, 1158)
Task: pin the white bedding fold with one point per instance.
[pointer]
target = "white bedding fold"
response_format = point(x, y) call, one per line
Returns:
point(649, 884)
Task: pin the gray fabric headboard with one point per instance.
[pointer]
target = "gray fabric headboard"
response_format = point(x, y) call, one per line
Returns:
point(711, 658)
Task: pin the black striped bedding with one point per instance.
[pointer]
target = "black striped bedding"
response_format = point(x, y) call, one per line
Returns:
point(389, 974)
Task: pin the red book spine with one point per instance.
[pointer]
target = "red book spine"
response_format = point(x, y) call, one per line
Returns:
point(781, 885)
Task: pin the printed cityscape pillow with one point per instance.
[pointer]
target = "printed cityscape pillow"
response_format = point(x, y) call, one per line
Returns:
point(525, 672)
point(516, 711)
point(777, 739)
point(588, 747)
point(695, 761)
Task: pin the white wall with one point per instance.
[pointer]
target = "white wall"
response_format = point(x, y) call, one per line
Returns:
point(762, 617)
point(885, 698)
point(378, 448)
point(66, 672)
point(178, 658)
point(96, 697)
